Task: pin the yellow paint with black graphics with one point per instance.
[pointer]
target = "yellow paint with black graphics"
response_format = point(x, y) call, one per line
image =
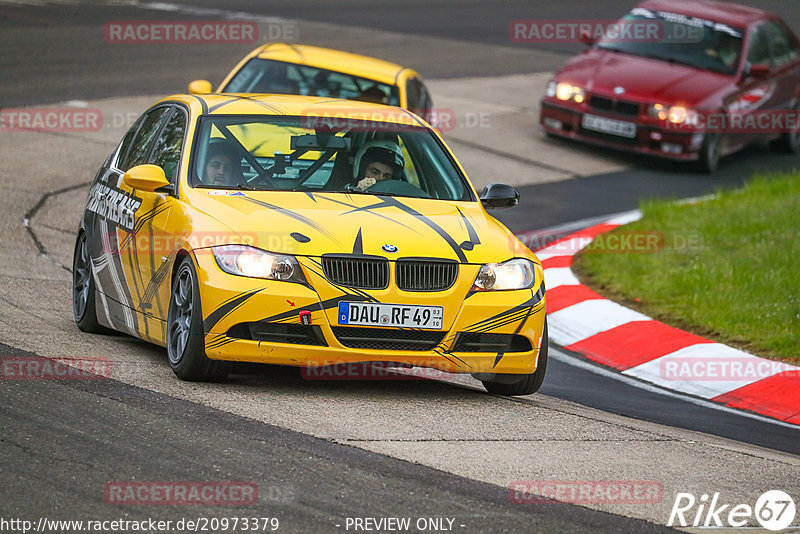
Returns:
point(169, 227)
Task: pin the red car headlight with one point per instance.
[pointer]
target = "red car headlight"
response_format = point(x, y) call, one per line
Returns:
point(565, 91)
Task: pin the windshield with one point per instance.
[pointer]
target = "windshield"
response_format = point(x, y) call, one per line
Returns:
point(319, 154)
point(698, 43)
point(269, 76)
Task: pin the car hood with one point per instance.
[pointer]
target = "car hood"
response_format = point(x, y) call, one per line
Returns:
point(309, 224)
point(643, 79)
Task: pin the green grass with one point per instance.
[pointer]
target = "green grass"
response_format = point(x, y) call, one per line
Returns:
point(729, 268)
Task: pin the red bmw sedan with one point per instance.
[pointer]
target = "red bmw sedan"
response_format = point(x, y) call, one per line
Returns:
point(712, 78)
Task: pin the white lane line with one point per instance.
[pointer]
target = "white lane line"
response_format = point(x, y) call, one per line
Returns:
point(585, 319)
point(565, 358)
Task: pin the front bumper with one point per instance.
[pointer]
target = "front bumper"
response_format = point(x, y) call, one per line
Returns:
point(244, 318)
point(650, 139)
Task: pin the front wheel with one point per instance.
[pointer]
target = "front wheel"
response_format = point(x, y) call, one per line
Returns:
point(185, 337)
point(710, 153)
point(507, 384)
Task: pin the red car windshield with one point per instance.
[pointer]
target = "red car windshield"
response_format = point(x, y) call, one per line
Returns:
point(686, 40)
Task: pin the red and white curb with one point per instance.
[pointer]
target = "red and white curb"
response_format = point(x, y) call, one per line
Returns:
point(605, 332)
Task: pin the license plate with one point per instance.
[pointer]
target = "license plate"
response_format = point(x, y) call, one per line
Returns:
point(609, 126)
point(372, 314)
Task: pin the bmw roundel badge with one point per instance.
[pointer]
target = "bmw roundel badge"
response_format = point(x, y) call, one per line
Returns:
point(389, 248)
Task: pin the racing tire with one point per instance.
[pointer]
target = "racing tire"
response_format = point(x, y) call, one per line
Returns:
point(710, 153)
point(84, 308)
point(512, 385)
point(185, 337)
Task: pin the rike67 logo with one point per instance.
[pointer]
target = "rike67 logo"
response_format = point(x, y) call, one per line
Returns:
point(774, 510)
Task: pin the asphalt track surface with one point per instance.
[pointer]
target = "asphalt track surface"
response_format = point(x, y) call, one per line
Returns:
point(92, 432)
point(137, 433)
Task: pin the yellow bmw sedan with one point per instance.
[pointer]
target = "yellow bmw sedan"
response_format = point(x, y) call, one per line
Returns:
point(315, 71)
point(306, 231)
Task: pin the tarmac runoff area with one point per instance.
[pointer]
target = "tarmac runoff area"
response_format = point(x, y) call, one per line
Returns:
point(448, 425)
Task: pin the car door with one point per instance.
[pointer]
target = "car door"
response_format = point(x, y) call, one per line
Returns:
point(756, 93)
point(115, 206)
point(159, 229)
point(785, 64)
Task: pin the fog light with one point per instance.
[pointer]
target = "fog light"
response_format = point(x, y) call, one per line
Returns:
point(656, 136)
point(697, 141)
point(555, 124)
point(671, 148)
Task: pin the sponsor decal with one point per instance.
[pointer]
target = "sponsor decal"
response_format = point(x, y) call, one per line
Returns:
point(114, 205)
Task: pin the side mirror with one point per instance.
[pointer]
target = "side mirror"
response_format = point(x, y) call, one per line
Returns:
point(587, 38)
point(145, 178)
point(200, 87)
point(759, 71)
point(499, 196)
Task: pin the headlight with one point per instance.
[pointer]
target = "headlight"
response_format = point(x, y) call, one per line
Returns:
point(512, 274)
point(565, 91)
point(256, 263)
point(672, 114)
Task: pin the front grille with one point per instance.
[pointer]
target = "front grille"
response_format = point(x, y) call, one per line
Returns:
point(279, 333)
point(479, 342)
point(362, 273)
point(422, 275)
point(610, 105)
point(387, 338)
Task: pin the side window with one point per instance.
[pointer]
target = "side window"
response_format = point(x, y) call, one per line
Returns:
point(783, 45)
point(144, 138)
point(419, 101)
point(758, 47)
point(168, 146)
point(125, 146)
